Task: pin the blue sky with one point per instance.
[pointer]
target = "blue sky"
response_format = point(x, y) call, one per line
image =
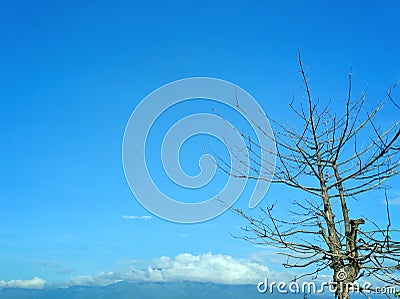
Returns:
point(72, 72)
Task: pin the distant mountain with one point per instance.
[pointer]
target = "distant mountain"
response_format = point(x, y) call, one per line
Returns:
point(159, 290)
point(126, 290)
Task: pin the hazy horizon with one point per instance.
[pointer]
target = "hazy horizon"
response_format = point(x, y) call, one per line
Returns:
point(71, 75)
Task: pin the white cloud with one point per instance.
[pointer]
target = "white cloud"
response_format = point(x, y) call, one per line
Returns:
point(127, 262)
point(57, 267)
point(395, 202)
point(268, 255)
point(89, 280)
point(35, 283)
point(131, 217)
point(207, 267)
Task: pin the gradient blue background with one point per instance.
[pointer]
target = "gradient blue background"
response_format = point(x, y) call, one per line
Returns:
point(72, 72)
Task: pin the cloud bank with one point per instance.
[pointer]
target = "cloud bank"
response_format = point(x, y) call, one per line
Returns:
point(217, 268)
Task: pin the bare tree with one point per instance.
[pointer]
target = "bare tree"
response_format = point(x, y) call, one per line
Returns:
point(334, 159)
